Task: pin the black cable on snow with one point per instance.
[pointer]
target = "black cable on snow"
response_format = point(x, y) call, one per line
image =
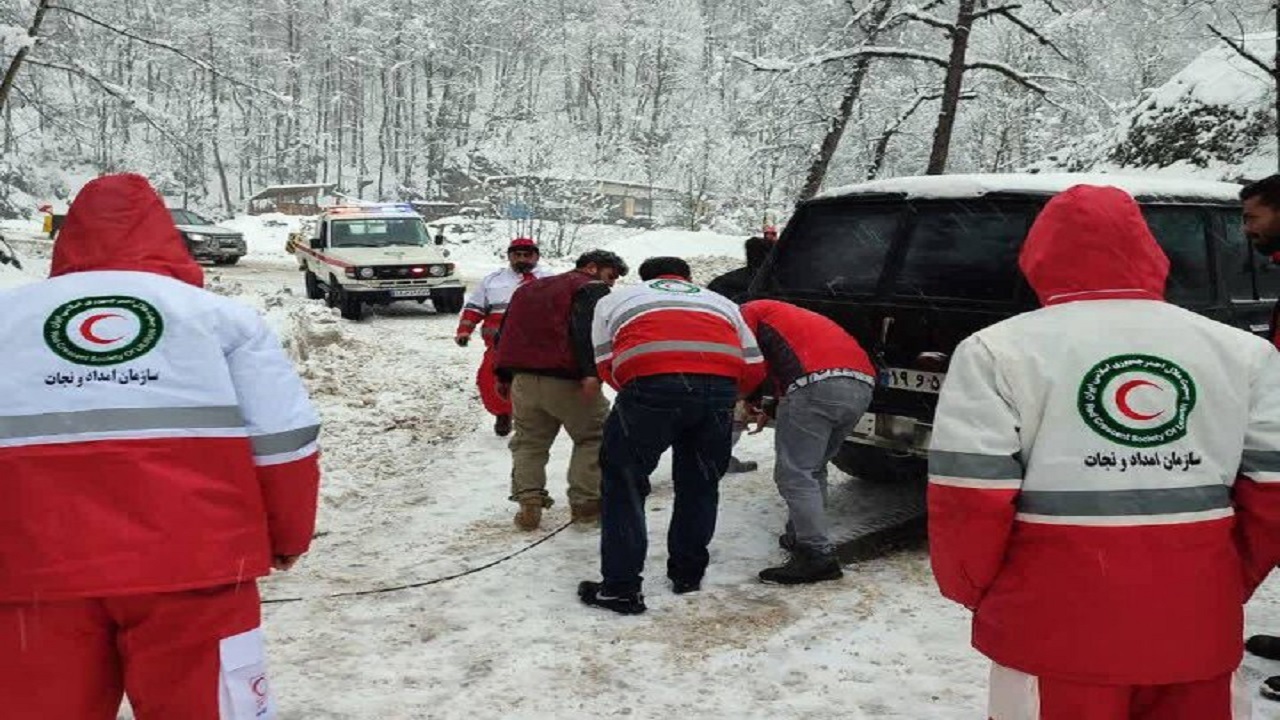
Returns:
point(424, 583)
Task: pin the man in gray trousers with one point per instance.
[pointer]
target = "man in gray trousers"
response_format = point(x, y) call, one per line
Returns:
point(824, 380)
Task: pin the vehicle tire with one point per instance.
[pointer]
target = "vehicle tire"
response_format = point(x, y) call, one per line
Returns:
point(877, 464)
point(332, 292)
point(447, 302)
point(349, 306)
point(229, 261)
point(315, 291)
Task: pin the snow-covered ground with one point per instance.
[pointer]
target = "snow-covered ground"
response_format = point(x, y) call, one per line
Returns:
point(415, 488)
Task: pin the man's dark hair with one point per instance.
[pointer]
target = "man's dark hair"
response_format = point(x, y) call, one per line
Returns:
point(603, 258)
point(1267, 190)
point(659, 266)
point(757, 250)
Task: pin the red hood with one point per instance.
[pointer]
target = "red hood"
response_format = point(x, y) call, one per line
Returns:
point(1092, 242)
point(118, 222)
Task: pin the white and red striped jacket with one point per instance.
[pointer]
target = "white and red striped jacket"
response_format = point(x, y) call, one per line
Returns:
point(488, 302)
point(154, 436)
point(1105, 472)
point(669, 325)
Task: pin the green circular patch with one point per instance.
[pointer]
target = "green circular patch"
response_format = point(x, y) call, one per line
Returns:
point(1106, 402)
point(675, 286)
point(72, 331)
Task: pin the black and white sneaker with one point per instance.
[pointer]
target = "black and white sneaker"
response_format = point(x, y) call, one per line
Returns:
point(591, 594)
point(1271, 688)
point(737, 467)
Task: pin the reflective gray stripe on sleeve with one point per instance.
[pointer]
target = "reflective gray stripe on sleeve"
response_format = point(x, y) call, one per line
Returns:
point(975, 466)
point(1155, 501)
point(1260, 461)
point(677, 346)
point(752, 354)
point(119, 420)
point(603, 349)
point(498, 306)
point(624, 317)
point(473, 306)
point(284, 442)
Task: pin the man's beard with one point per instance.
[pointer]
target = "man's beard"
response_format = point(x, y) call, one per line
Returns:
point(1266, 244)
point(523, 267)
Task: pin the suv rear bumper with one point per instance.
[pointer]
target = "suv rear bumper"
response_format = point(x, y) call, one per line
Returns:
point(897, 434)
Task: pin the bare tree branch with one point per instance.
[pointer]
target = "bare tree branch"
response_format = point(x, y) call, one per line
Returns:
point(1007, 12)
point(1027, 81)
point(1054, 8)
point(115, 91)
point(924, 17)
point(202, 64)
point(999, 9)
point(1024, 79)
point(1243, 51)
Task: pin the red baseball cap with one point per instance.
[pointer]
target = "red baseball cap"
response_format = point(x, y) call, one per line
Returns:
point(523, 243)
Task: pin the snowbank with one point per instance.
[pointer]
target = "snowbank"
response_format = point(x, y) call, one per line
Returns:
point(1213, 119)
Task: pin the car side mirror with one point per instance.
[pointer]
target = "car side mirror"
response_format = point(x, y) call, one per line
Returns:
point(440, 239)
point(316, 243)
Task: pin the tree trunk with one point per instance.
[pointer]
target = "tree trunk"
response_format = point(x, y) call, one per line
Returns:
point(835, 129)
point(951, 90)
point(12, 73)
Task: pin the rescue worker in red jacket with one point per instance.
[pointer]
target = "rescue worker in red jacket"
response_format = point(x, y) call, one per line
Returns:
point(545, 365)
point(485, 307)
point(1261, 211)
point(824, 380)
point(157, 455)
point(1104, 487)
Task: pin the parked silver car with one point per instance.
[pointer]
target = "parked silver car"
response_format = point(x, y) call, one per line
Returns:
point(208, 242)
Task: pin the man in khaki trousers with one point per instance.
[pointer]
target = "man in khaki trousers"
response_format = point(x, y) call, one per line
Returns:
point(546, 365)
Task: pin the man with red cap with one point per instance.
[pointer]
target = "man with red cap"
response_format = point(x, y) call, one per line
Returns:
point(1104, 482)
point(485, 308)
point(157, 456)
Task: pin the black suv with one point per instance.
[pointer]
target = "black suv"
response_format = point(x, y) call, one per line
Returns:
point(912, 266)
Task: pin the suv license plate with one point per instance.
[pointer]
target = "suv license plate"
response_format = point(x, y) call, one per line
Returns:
point(411, 292)
point(912, 380)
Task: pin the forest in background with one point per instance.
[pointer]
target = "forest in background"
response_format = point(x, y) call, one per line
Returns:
point(726, 99)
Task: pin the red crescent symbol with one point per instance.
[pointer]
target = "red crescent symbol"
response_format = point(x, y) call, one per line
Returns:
point(1122, 400)
point(260, 686)
point(86, 329)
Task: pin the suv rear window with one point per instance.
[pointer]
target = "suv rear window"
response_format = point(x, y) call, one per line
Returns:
point(1182, 233)
point(836, 249)
point(966, 250)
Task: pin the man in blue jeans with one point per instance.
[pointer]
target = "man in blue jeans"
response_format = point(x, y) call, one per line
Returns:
point(680, 356)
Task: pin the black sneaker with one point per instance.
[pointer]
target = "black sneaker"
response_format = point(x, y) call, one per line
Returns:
point(1264, 646)
point(502, 425)
point(590, 593)
point(805, 566)
point(1270, 688)
point(737, 467)
point(787, 542)
point(680, 587)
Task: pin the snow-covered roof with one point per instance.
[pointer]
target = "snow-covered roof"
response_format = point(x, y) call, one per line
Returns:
point(977, 185)
point(285, 189)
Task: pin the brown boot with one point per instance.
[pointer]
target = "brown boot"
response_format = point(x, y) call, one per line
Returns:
point(586, 512)
point(530, 515)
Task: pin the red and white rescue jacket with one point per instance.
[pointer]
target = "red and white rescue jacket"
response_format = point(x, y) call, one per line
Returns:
point(488, 302)
point(669, 325)
point(154, 436)
point(1105, 472)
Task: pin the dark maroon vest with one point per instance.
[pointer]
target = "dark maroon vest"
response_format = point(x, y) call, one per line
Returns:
point(535, 332)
